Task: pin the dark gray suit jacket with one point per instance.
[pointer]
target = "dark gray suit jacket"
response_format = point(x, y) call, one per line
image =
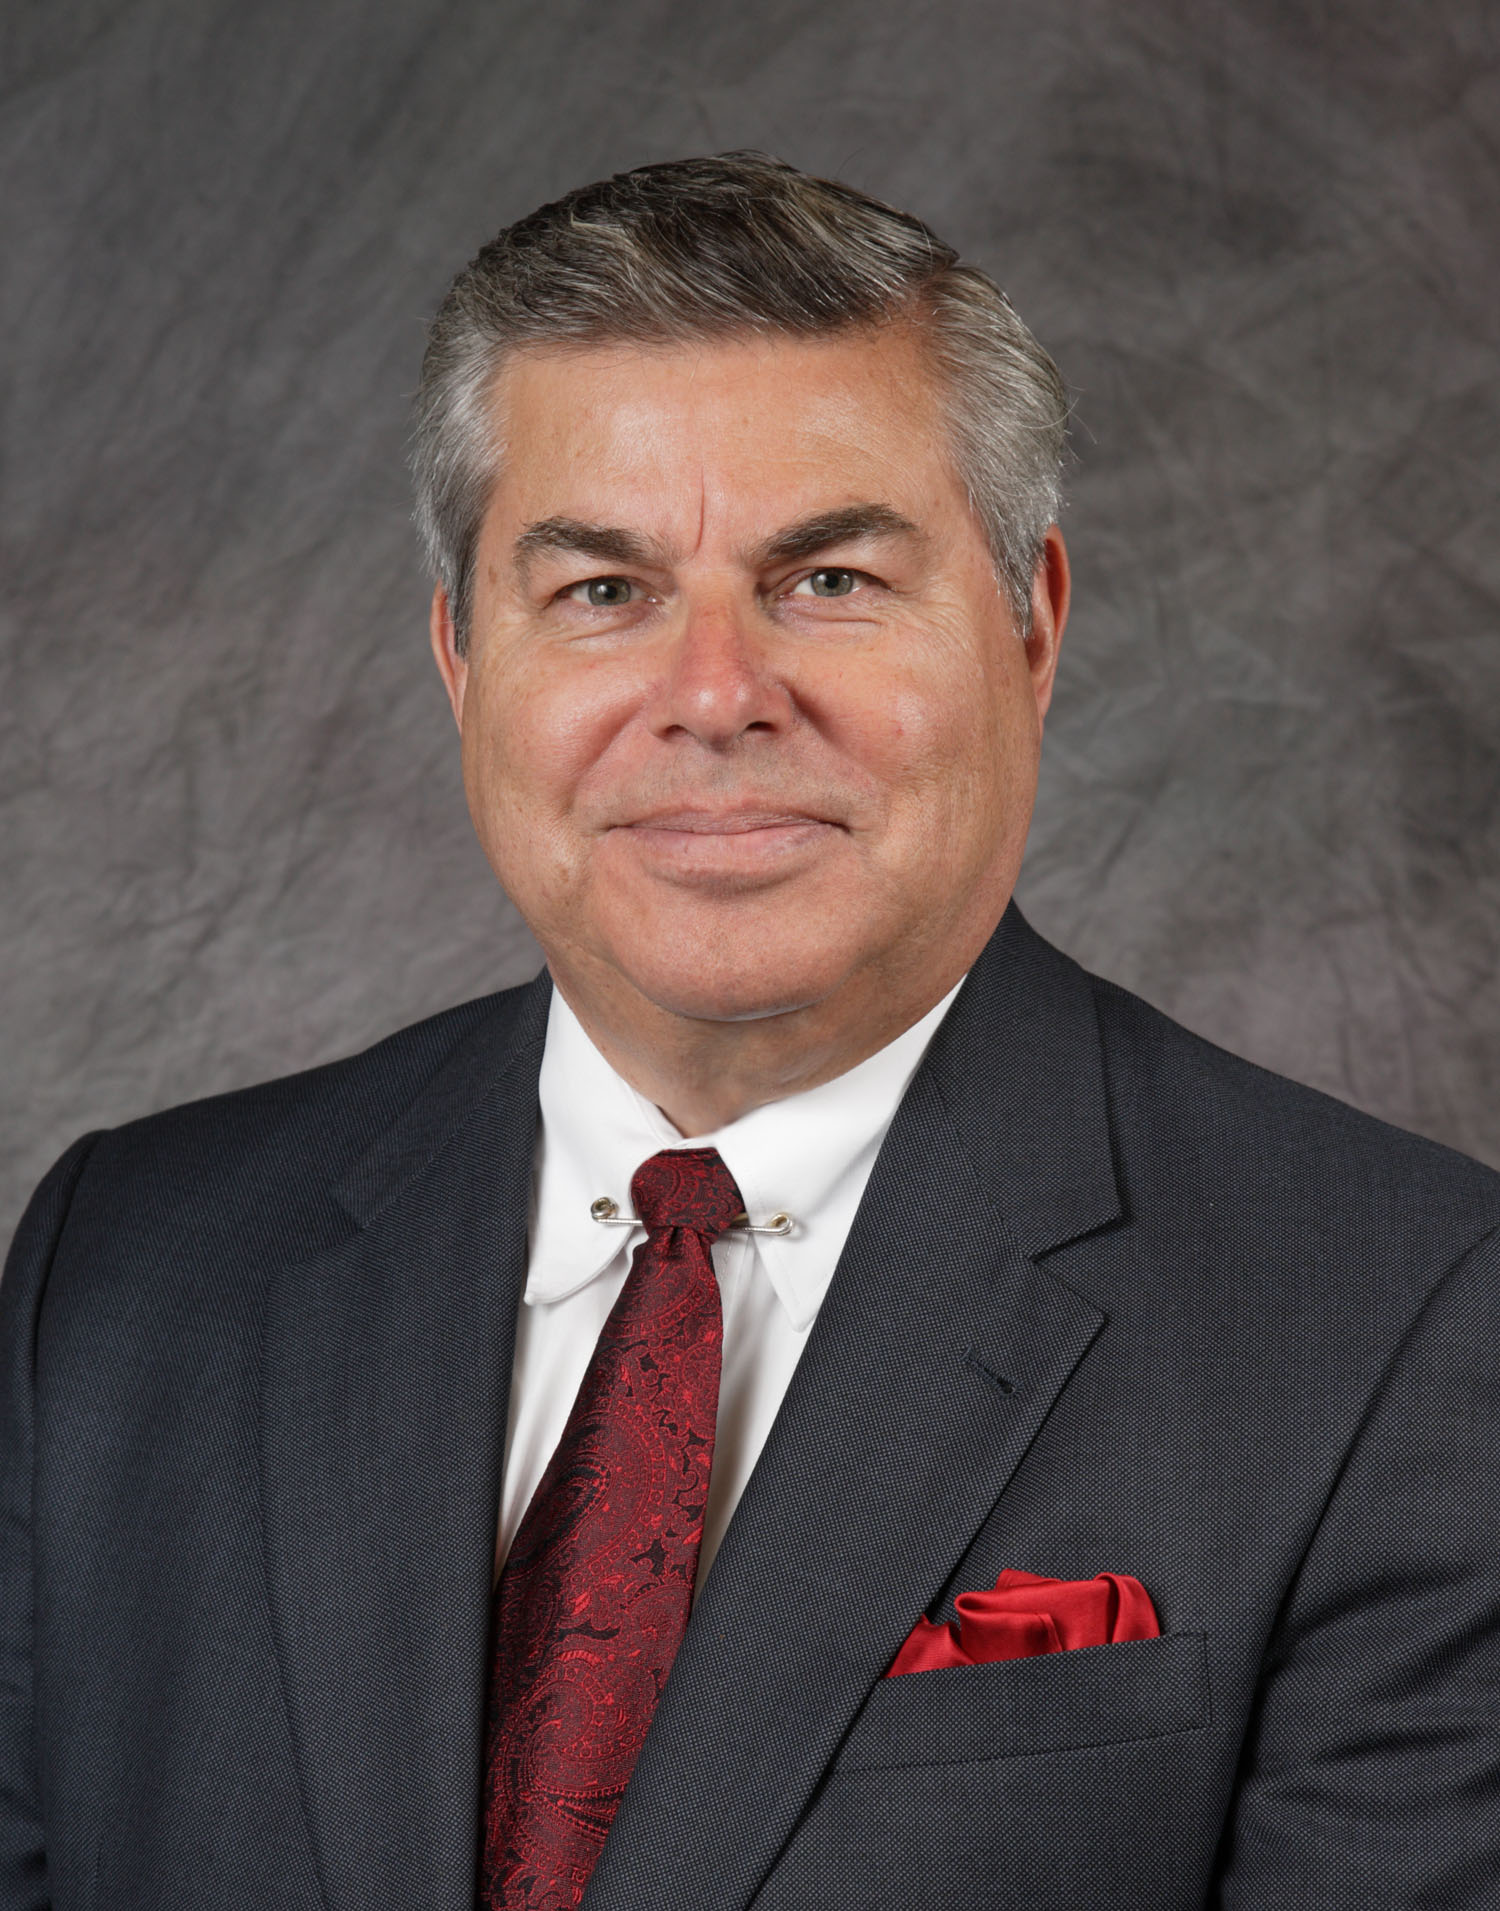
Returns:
point(1114, 1301)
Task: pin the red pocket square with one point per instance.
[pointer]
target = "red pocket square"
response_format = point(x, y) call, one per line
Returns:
point(1027, 1615)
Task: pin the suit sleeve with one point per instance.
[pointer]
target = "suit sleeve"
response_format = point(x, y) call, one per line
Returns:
point(23, 1860)
point(1372, 1773)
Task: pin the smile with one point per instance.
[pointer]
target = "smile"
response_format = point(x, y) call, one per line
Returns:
point(729, 846)
point(727, 822)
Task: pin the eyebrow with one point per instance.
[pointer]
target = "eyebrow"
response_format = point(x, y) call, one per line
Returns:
point(613, 544)
point(847, 525)
point(610, 543)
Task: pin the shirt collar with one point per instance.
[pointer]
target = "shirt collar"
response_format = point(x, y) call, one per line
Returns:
point(808, 1155)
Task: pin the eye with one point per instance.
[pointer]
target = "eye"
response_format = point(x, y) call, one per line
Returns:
point(602, 593)
point(829, 582)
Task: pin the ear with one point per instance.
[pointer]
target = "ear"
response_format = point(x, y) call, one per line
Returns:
point(452, 667)
point(1051, 592)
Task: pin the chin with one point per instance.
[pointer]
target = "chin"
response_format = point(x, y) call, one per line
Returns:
point(734, 958)
point(722, 984)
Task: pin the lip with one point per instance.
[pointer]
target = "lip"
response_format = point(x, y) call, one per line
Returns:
point(736, 822)
point(727, 851)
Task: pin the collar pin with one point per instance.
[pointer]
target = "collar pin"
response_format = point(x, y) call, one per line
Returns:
point(607, 1213)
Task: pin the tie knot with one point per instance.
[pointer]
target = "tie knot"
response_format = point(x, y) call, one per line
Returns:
point(686, 1188)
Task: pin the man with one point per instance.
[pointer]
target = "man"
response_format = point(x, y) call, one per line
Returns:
point(815, 1401)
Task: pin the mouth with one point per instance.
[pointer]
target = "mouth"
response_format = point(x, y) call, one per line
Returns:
point(738, 822)
point(728, 847)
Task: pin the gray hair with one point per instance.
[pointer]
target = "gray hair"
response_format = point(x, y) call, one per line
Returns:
point(713, 247)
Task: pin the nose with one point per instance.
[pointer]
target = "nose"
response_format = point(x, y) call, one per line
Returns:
point(720, 683)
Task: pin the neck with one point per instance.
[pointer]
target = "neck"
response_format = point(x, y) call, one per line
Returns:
point(703, 1074)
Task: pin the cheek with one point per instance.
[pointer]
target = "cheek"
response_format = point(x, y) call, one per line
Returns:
point(531, 741)
point(541, 742)
point(518, 753)
point(947, 747)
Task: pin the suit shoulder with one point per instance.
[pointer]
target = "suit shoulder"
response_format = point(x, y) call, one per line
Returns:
point(255, 1159)
point(1202, 1114)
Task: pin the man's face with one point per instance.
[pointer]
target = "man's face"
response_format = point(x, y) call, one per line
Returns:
point(747, 724)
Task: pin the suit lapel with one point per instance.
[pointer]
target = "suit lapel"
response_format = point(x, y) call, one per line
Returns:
point(385, 1382)
point(938, 1352)
point(936, 1357)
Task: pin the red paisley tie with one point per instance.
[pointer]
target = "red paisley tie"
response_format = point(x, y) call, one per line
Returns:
point(593, 1600)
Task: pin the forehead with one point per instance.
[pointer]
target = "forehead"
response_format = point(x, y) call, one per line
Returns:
point(745, 431)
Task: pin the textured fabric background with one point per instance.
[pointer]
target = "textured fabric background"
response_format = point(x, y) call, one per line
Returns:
point(1262, 240)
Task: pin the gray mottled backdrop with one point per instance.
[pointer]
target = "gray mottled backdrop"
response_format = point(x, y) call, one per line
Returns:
point(1263, 241)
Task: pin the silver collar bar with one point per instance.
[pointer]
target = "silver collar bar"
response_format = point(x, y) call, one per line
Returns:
point(607, 1213)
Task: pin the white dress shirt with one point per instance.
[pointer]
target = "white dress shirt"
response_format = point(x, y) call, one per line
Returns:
point(808, 1156)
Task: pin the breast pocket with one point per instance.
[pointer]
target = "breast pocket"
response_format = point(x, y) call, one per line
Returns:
point(1098, 1695)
